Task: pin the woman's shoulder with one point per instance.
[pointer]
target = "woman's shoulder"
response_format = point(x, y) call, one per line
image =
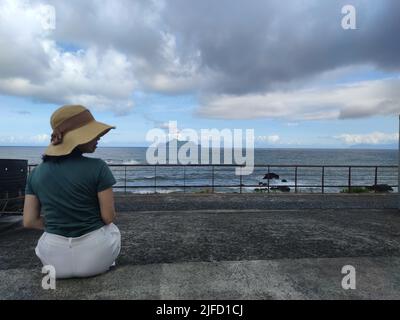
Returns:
point(36, 168)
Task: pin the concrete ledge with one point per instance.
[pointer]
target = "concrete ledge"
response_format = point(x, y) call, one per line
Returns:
point(376, 278)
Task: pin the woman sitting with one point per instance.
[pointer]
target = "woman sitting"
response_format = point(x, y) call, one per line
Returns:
point(70, 196)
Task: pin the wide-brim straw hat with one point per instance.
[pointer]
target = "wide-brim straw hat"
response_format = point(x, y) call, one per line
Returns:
point(73, 125)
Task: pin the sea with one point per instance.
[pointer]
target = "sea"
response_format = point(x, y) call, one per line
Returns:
point(133, 174)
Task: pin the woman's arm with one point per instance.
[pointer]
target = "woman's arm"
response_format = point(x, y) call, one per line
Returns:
point(106, 202)
point(32, 218)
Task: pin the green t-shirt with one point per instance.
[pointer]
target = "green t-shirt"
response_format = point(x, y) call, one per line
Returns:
point(67, 191)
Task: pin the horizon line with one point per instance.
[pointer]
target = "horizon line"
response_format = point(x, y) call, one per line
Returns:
point(271, 147)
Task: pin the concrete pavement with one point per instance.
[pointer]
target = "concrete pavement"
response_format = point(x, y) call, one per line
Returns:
point(228, 254)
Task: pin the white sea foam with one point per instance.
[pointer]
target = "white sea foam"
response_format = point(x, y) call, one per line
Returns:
point(131, 161)
point(151, 190)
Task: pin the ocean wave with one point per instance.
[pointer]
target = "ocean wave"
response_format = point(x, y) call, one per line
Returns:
point(159, 190)
point(151, 177)
point(131, 162)
point(122, 162)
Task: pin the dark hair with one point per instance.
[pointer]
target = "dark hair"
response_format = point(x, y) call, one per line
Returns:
point(76, 152)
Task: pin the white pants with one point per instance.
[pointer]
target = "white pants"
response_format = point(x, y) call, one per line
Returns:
point(84, 256)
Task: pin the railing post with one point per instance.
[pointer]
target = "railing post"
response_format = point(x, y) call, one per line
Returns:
point(349, 184)
point(376, 177)
point(184, 179)
point(268, 180)
point(125, 179)
point(323, 178)
point(241, 179)
point(295, 179)
point(212, 180)
point(155, 178)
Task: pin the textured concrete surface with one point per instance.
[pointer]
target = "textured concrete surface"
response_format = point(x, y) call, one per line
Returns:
point(226, 254)
point(376, 278)
point(246, 201)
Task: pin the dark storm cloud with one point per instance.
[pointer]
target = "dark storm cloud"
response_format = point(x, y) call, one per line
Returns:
point(254, 46)
point(128, 26)
point(262, 52)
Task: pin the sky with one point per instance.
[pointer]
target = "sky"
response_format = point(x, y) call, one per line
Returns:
point(286, 69)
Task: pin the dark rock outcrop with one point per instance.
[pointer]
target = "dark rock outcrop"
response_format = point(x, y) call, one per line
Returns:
point(281, 188)
point(271, 175)
point(380, 188)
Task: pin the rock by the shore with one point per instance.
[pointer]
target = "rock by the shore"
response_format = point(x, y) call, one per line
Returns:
point(271, 175)
point(281, 188)
point(380, 188)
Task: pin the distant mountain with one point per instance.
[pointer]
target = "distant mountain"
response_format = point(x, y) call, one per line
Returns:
point(179, 143)
point(390, 146)
point(374, 146)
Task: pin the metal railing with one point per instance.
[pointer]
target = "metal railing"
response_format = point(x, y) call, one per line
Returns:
point(373, 179)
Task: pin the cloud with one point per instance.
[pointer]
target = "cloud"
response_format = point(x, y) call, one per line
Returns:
point(369, 138)
point(136, 29)
point(270, 139)
point(38, 139)
point(33, 65)
point(7, 139)
point(102, 51)
point(264, 45)
point(228, 46)
point(88, 78)
point(363, 99)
